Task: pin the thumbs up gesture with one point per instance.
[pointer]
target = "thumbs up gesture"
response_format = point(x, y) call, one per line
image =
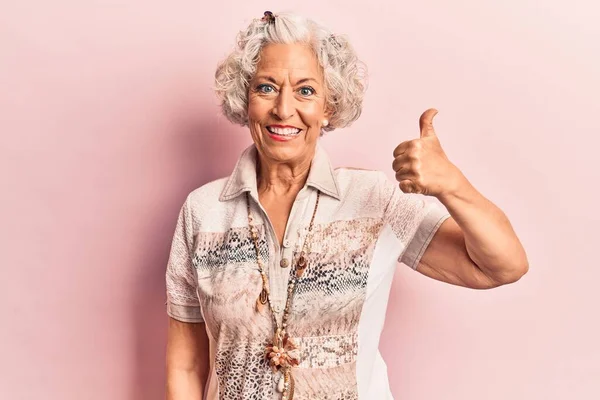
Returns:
point(421, 165)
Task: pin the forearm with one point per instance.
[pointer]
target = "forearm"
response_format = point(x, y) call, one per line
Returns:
point(187, 362)
point(185, 384)
point(489, 236)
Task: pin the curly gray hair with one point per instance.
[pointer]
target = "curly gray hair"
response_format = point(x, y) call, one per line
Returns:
point(344, 74)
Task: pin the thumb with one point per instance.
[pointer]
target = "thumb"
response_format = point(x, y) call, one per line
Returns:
point(426, 123)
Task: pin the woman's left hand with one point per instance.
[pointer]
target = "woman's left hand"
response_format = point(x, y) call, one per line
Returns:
point(421, 165)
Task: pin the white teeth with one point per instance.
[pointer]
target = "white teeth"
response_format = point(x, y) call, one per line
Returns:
point(284, 131)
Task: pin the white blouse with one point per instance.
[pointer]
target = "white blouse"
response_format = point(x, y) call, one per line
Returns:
point(363, 226)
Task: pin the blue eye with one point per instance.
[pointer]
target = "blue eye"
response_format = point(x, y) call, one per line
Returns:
point(306, 91)
point(263, 88)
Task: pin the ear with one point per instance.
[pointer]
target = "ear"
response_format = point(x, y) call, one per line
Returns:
point(328, 112)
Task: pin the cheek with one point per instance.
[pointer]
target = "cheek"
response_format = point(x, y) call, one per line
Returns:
point(257, 109)
point(312, 113)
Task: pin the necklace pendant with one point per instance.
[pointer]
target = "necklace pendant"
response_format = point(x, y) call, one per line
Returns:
point(299, 272)
point(264, 296)
point(301, 266)
point(282, 354)
point(302, 261)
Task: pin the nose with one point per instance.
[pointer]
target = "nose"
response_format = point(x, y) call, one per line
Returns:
point(284, 104)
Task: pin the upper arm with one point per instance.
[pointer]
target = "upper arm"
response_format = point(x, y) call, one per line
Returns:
point(181, 278)
point(432, 242)
point(187, 355)
point(446, 259)
point(187, 332)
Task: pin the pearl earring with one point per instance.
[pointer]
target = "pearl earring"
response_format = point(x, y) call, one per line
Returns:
point(325, 122)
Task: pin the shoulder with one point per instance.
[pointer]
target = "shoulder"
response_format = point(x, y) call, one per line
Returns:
point(351, 177)
point(363, 185)
point(206, 196)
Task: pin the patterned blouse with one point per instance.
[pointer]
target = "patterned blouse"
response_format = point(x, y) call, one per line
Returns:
point(363, 226)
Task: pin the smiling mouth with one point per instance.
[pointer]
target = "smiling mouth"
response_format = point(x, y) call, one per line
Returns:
point(287, 132)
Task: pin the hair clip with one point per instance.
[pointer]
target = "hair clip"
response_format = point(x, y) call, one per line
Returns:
point(268, 17)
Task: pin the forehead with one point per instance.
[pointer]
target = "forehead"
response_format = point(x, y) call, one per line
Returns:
point(297, 60)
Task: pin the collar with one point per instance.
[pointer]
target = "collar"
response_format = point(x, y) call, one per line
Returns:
point(243, 177)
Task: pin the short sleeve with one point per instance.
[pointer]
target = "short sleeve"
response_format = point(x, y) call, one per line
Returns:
point(413, 219)
point(181, 279)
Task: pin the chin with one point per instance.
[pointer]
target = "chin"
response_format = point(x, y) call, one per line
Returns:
point(284, 149)
point(283, 153)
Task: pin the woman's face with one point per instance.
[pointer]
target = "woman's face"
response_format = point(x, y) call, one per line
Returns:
point(286, 103)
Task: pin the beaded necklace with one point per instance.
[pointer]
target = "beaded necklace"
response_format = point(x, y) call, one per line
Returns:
point(282, 353)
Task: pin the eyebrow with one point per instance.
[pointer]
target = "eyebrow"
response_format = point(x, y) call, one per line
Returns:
point(271, 79)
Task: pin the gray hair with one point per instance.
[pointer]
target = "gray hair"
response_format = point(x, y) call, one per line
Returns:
point(344, 73)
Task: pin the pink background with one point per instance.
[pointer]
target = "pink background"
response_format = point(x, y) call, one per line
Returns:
point(107, 121)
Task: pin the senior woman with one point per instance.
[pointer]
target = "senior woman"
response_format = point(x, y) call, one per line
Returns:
point(279, 275)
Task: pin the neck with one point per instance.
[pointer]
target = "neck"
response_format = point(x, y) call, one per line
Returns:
point(282, 179)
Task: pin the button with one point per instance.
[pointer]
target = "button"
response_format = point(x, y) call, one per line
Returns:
point(284, 263)
point(286, 243)
point(277, 308)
